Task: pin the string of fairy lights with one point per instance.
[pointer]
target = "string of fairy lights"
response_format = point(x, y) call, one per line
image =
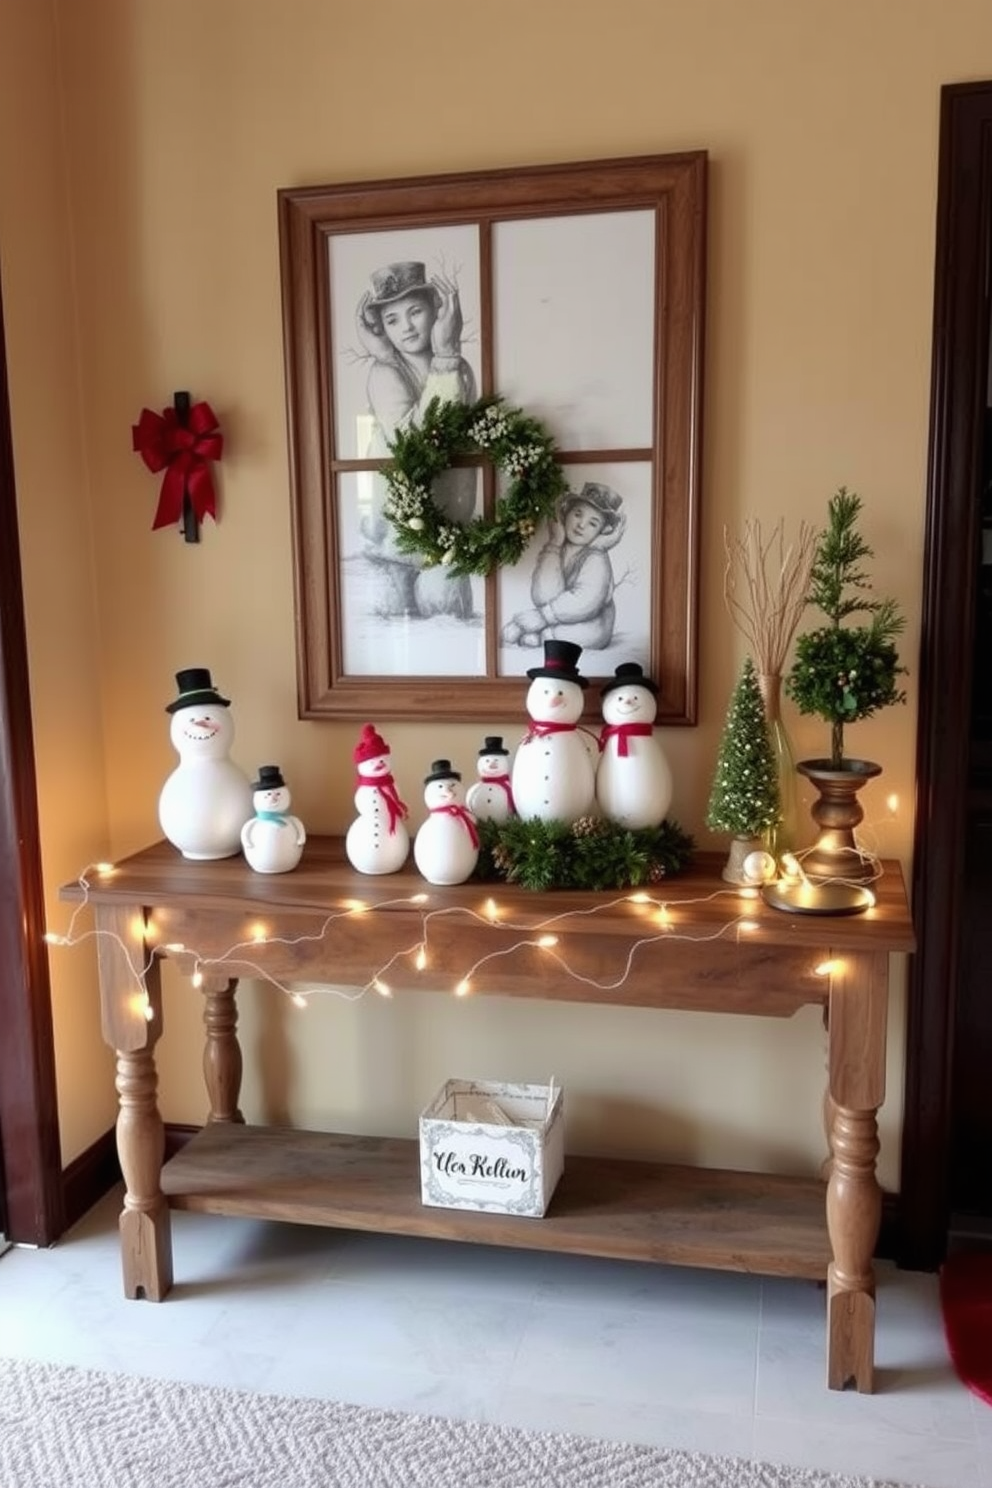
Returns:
point(545, 935)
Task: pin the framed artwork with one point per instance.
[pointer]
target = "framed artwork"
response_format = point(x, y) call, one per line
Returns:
point(573, 292)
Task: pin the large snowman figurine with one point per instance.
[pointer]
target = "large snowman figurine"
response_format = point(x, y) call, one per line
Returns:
point(446, 847)
point(207, 799)
point(272, 840)
point(490, 798)
point(633, 779)
point(377, 840)
point(553, 773)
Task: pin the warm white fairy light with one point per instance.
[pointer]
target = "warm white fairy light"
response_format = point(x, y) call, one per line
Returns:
point(662, 913)
point(827, 968)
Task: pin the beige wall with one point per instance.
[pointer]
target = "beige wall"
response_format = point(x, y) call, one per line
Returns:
point(180, 123)
point(50, 457)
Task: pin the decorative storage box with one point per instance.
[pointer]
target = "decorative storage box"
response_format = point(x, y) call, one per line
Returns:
point(470, 1159)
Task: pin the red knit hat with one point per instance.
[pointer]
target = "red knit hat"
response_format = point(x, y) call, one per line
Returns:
point(370, 746)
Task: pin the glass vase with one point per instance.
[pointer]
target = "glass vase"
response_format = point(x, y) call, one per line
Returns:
point(785, 836)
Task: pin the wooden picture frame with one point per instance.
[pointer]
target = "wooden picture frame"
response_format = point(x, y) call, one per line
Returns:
point(577, 295)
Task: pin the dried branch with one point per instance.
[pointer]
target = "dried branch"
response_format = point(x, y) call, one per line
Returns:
point(765, 585)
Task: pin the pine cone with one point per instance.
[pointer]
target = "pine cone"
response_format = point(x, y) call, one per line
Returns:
point(585, 826)
point(656, 872)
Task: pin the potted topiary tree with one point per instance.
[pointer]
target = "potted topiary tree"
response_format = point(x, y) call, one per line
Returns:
point(843, 673)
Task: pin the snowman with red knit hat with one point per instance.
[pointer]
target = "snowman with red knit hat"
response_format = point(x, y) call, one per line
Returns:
point(377, 841)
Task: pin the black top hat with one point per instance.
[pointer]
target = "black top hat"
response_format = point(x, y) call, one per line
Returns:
point(269, 778)
point(493, 744)
point(629, 672)
point(441, 770)
point(195, 687)
point(560, 660)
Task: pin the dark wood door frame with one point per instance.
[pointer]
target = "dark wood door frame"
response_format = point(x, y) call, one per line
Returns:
point(29, 1129)
point(957, 412)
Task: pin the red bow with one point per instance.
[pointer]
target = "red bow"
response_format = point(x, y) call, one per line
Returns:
point(182, 451)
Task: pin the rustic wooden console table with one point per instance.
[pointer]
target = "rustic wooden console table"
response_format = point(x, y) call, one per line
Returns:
point(336, 926)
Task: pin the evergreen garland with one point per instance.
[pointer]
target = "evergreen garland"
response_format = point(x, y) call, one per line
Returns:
point(517, 445)
point(591, 853)
point(744, 799)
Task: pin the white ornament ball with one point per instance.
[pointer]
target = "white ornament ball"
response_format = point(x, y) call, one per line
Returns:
point(759, 867)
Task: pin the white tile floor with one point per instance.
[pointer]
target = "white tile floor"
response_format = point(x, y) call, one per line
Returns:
point(714, 1362)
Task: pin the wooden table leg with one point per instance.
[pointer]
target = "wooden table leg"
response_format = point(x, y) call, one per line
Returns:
point(858, 1013)
point(222, 1063)
point(131, 1013)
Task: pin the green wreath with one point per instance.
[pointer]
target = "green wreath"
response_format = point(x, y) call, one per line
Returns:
point(517, 445)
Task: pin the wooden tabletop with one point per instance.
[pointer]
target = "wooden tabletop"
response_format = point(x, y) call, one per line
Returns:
point(159, 876)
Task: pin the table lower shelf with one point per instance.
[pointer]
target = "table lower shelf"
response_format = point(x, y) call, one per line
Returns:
point(721, 1220)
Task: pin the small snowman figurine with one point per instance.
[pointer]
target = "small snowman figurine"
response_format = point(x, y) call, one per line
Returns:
point(207, 799)
point(633, 779)
point(554, 775)
point(272, 840)
point(446, 847)
point(377, 841)
point(490, 798)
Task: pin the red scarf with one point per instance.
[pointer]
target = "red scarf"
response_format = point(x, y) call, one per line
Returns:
point(539, 730)
point(504, 781)
point(623, 732)
point(386, 786)
point(463, 816)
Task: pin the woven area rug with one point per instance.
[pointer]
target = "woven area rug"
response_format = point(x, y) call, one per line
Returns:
point(60, 1428)
point(966, 1304)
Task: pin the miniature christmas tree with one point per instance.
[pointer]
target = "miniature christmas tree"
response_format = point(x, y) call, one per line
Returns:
point(744, 799)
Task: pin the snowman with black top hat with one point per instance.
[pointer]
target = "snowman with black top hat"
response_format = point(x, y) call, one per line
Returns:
point(633, 778)
point(272, 840)
point(207, 799)
point(490, 798)
point(553, 775)
point(446, 847)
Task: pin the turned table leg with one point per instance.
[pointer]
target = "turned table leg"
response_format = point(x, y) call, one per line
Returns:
point(222, 1064)
point(131, 1015)
point(858, 1012)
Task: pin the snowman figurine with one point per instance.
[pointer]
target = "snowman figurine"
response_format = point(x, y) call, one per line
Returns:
point(633, 779)
point(490, 798)
point(207, 799)
point(377, 841)
point(554, 774)
point(446, 847)
point(272, 840)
